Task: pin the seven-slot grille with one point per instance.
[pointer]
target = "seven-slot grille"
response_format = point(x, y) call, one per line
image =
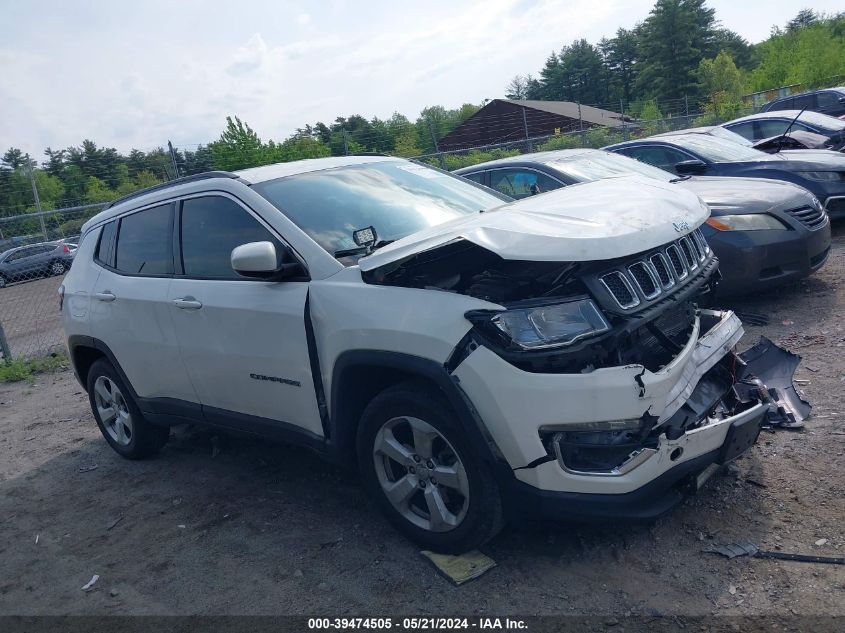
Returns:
point(649, 277)
point(808, 216)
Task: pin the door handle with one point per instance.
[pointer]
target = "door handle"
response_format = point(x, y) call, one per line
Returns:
point(187, 303)
point(104, 296)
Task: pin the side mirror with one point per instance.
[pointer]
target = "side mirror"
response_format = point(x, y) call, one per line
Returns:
point(690, 167)
point(259, 260)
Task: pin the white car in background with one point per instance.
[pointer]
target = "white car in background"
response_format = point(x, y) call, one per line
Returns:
point(474, 357)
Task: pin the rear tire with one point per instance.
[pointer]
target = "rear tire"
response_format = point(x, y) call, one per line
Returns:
point(417, 464)
point(57, 268)
point(119, 418)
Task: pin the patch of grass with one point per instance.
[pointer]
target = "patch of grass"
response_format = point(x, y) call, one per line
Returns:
point(17, 370)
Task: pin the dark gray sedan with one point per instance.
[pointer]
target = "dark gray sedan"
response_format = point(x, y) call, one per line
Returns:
point(35, 260)
point(764, 232)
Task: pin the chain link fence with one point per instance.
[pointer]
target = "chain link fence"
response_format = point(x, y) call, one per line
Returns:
point(36, 249)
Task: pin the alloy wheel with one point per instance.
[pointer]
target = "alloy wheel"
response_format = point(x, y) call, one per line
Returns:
point(113, 412)
point(57, 268)
point(421, 474)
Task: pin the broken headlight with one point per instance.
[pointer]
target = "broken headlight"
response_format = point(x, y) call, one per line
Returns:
point(542, 327)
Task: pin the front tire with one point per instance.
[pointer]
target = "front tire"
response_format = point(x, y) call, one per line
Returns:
point(119, 418)
point(419, 467)
point(3, 281)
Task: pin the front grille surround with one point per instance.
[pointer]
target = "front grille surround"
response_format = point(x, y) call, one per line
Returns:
point(657, 274)
point(810, 217)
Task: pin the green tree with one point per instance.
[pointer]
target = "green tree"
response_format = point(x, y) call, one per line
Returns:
point(675, 36)
point(722, 85)
point(238, 147)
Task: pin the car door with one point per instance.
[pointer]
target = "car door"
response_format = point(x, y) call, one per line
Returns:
point(130, 308)
point(243, 341)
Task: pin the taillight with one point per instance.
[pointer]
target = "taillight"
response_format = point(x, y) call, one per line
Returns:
point(66, 248)
point(61, 296)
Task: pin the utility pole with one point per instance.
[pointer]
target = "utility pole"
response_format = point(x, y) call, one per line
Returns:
point(622, 114)
point(37, 200)
point(4, 346)
point(686, 108)
point(173, 159)
point(581, 124)
point(345, 142)
point(436, 146)
point(528, 143)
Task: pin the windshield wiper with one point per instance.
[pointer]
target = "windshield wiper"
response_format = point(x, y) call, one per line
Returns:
point(362, 250)
point(783, 136)
point(680, 179)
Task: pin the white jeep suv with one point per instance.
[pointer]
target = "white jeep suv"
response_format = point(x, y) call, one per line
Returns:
point(474, 357)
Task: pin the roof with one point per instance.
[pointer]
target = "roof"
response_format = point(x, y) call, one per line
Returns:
point(256, 175)
point(704, 129)
point(536, 157)
point(773, 114)
point(569, 109)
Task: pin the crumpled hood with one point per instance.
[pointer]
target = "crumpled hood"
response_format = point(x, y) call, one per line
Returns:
point(589, 221)
point(746, 195)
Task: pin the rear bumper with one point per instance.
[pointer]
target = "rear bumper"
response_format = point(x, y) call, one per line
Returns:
point(754, 261)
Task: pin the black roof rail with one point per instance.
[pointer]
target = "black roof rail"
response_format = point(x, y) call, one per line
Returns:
point(171, 183)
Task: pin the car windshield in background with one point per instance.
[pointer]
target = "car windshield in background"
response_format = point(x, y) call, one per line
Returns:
point(822, 121)
point(718, 150)
point(598, 165)
point(397, 198)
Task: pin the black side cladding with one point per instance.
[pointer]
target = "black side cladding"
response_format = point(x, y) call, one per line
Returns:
point(314, 361)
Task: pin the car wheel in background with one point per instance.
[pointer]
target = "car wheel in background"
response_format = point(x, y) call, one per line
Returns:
point(2, 281)
point(119, 418)
point(57, 268)
point(418, 465)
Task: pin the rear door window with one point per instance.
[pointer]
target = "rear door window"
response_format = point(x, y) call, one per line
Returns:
point(745, 129)
point(803, 102)
point(476, 177)
point(145, 242)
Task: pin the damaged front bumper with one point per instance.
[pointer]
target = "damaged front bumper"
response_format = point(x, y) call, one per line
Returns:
point(703, 409)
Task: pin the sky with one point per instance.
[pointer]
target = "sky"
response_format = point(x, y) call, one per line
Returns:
point(139, 73)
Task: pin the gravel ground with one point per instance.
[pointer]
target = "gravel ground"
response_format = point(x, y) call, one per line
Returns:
point(218, 525)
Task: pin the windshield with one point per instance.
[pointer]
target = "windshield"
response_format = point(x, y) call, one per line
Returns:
point(396, 198)
point(822, 121)
point(717, 150)
point(597, 165)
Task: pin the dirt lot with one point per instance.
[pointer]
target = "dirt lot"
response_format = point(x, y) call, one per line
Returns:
point(29, 313)
point(229, 526)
